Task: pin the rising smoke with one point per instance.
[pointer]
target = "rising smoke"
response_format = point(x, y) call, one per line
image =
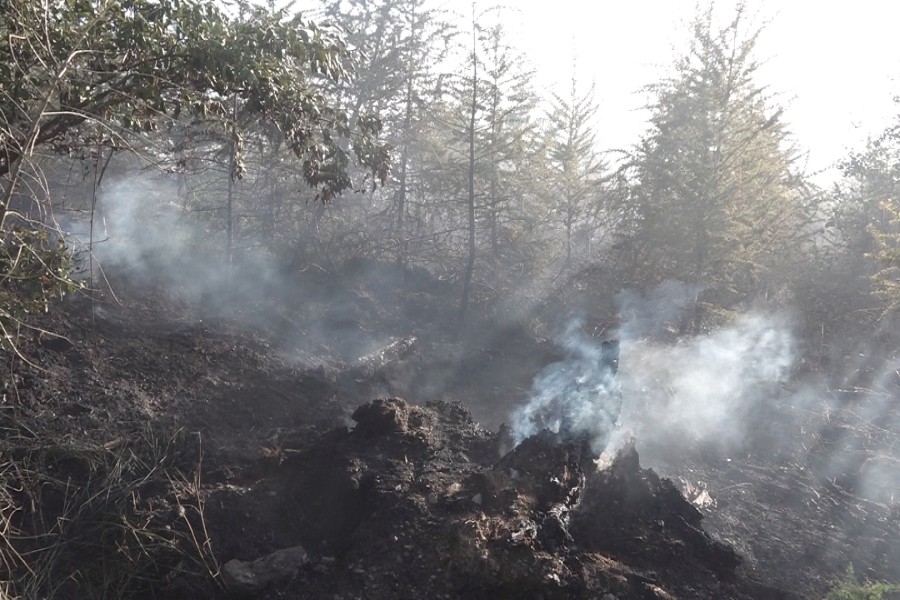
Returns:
point(654, 314)
point(712, 390)
point(725, 390)
point(577, 396)
point(700, 391)
point(732, 392)
point(143, 234)
point(139, 232)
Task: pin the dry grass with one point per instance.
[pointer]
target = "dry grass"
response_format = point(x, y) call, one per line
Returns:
point(92, 522)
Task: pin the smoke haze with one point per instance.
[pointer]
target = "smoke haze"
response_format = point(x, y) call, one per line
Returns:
point(701, 391)
point(706, 390)
point(141, 234)
point(578, 395)
point(728, 390)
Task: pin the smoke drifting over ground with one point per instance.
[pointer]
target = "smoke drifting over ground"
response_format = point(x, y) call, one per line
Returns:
point(710, 389)
point(654, 313)
point(732, 394)
point(727, 390)
point(707, 390)
point(735, 391)
point(141, 232)
point(320, 310)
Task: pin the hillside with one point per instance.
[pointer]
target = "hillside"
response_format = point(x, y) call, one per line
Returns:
point(160, 446)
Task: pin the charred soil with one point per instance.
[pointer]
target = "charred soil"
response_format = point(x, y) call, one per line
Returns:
point(154, 451)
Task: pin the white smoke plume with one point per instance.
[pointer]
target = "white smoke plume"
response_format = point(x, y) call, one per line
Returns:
point(578, 396)
point(708, 390)
point(142, 234)
point(145, 234)
point(139, 231)
point(656, 312)
point(698, 391)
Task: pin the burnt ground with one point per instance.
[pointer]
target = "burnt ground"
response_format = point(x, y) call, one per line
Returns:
point(158, 440)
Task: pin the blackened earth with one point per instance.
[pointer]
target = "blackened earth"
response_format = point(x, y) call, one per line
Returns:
point(278, 435)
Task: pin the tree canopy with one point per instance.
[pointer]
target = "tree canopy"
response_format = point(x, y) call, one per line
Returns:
point(134, 65)
point(497, 185)
point(79, 76)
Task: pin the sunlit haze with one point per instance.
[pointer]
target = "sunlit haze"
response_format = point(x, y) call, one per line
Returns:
point(402, 299)
point(833, 66)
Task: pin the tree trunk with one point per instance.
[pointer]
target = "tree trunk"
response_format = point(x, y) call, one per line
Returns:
point(229, 217)
point(470, 263)
point(403, 248)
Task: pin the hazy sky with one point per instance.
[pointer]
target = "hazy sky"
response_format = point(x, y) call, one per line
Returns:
point(835, 66)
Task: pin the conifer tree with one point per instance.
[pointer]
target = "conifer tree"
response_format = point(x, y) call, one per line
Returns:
point(716, 202)
point(575, 173)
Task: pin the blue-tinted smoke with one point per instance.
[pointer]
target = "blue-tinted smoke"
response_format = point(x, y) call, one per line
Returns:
point(578, 397)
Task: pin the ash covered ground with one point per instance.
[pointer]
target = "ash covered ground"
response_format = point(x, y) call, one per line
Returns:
point(343, 440)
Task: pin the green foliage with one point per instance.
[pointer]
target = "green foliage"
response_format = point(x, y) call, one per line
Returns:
point(887, 254)
point(865, 216)
point(848, 587)
point(507, 151)
point(125, 65)
point(33, 271)
point(82, 78)
point(575, 174)
point(871, 177)
point(485, 163)
point(715, 200)
point(403, 43)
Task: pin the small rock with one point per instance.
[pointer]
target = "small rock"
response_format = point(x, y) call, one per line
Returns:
point(251, 577)
point(659, 593)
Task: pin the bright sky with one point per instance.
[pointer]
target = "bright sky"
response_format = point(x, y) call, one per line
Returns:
point(834, 66)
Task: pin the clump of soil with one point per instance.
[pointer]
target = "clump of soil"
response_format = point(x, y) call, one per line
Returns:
point(416, 502)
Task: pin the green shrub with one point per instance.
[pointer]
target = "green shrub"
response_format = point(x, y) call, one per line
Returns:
point(34, 269)
point(848, 587)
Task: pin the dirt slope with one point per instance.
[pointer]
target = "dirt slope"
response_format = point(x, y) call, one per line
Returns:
point(161, 444)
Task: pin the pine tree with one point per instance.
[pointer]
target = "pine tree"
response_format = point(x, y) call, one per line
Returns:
point(402, 42)
point(575, 169)
point(866, 216)
point(487, 149)
point(716, 200)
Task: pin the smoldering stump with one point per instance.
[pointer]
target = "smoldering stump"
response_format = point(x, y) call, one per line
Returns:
point(578, 397)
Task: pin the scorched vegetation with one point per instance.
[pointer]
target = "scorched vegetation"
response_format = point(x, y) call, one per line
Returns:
point(339, 304)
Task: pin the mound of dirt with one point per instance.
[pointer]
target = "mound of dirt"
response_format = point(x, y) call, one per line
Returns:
point(416, 502)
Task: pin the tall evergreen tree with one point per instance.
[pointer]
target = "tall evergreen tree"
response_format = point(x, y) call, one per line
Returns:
point(489, 144)
point(510, 148)
point(575, 168)
point(717, 201)
point(866, 217)
point(402, 41)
